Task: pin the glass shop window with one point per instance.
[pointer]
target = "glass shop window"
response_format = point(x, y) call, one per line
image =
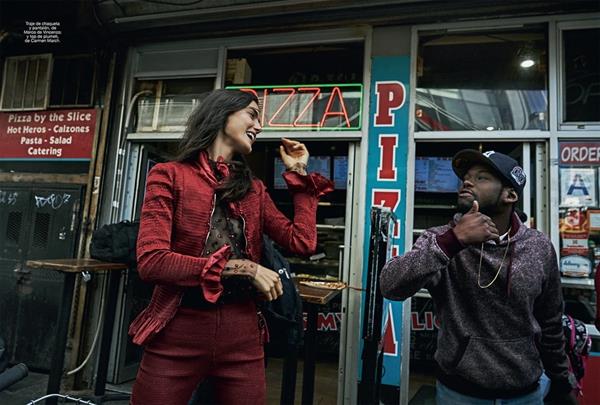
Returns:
point(581, 80)
point(169, 103)
point(487, 80)
point(579, 222)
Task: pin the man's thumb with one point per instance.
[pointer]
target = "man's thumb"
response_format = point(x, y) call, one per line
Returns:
point(474, 207)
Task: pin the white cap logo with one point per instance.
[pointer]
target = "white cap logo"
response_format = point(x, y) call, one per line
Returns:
point(488, 153)
point(518, 174)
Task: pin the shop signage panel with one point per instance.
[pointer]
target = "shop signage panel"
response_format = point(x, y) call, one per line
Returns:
point(47, 135)
point(386, 183)
point(580, 153)
point(577, 187)
point(309, 107)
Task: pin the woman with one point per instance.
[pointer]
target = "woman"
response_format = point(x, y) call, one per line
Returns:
point(200, 242)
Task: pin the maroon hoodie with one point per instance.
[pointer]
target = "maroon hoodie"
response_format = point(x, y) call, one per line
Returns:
point(493, 342)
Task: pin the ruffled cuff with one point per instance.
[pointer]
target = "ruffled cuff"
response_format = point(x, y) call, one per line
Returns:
point(210, 281)
point(312, 183)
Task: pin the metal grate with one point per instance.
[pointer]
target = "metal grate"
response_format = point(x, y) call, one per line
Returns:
point(26, 82)
point(13, 227)
point(41, 230)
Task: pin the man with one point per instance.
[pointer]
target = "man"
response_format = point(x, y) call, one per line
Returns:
point(496, 288)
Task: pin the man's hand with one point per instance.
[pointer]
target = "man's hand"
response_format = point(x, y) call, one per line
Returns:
point(268, 283)
point(474, 227)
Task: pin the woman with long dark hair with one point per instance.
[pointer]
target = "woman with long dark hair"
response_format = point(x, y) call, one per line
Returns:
point(200, 243)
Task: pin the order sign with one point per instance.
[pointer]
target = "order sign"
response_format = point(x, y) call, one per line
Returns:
point(55, 134)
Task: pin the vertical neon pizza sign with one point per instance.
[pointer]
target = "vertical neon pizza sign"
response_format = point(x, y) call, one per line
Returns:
point(386, 182)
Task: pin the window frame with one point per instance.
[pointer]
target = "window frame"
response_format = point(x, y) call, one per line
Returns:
point(475, 27)
point(93, 87)
point(561, 27)
point(48, 78)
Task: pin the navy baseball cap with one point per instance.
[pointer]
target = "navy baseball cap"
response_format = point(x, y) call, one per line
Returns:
point(504, 166)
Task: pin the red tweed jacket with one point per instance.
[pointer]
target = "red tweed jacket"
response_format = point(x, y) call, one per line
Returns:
point(174, 225)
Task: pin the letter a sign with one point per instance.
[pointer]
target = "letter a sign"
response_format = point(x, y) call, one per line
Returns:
point(578, 187)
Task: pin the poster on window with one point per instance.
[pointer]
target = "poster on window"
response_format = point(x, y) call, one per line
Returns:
point(594, 216)
point(578, 187)
point(575, 266)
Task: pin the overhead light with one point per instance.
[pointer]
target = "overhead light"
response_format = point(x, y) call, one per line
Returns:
point(527, 63)
point(527, 56)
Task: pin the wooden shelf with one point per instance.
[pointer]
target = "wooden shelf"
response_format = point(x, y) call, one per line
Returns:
point(334, 227)
point(572, 282)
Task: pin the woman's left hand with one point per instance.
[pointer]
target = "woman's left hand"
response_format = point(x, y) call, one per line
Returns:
point(293, 153)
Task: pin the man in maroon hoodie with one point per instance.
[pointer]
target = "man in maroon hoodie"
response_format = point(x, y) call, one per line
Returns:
point(496, 289)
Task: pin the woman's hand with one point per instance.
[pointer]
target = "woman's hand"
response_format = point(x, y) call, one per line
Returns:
point(268, 283)
point(294, 155)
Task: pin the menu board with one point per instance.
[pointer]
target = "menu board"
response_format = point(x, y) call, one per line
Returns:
point(316, 164)
point(340, 172)
point(435, 175)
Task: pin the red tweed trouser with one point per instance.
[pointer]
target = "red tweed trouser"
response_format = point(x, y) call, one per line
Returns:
point(223, 344)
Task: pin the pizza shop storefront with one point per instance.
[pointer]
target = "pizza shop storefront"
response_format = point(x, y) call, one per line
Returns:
point(312, 86)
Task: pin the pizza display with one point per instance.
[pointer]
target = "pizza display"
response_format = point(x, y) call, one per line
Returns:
point(329, 285)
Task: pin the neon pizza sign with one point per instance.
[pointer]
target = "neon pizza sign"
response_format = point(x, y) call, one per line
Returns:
point(310, 107)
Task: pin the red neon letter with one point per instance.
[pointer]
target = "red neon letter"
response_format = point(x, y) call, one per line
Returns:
point(390, 97)
point(251, 91)
point(336, 90)
point(287, 100)
point(310, 102)
point(387, 146)
point(263, 107)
